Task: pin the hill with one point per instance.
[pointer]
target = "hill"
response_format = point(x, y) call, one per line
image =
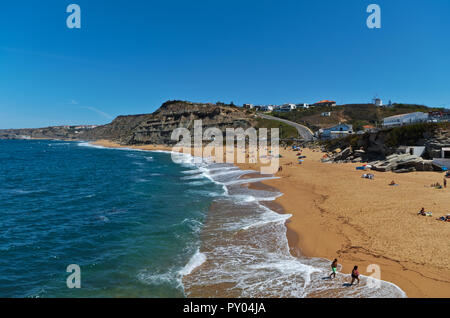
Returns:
point(156, 128)
point(356, 114)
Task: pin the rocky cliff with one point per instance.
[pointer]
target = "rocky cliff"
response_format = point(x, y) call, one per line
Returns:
point(56, 132)
point(153, 128)
point(385, 150)
point(157, 128)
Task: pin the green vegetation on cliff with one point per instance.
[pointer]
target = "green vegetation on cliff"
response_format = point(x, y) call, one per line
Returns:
point(356, 114)
point(286, 131)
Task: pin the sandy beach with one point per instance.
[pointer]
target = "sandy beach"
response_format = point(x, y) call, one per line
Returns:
point(338, 214)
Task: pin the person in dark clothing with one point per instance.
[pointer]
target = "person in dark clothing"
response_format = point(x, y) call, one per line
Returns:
point(334, 268)
point(355, 275)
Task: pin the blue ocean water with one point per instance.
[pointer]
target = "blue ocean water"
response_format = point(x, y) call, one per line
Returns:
point(130, 219)
point(140, 225)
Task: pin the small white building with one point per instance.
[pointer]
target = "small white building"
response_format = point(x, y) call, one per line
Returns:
point(249, 106)
point(267, 108)
point(337, 131)
point(287, 108)
point(378, 102)
point(303, 105)
point(412, 150)
point(405, 119)
point(326, 114)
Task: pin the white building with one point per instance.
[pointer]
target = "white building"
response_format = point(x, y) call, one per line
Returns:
point(275, 108)
point(326, 114)
point(287, 107)
point(405, 119)
point(267, 108)
point(249, 106)
point(337, 131)
point(378, 102)
point(412, 150)
point(302, 105)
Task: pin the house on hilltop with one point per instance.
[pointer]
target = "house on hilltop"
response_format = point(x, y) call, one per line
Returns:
point(287, 108)
point(337, 131)
point(327, 103)
point(303, 105)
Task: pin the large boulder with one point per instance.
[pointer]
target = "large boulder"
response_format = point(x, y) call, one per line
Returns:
point(344, 154)
point(399, 162)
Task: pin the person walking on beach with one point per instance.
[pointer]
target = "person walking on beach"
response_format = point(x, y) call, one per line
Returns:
point(355, 275)
point(445, 183)
point(334, 268)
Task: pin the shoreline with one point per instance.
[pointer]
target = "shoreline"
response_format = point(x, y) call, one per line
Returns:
point(323, 228)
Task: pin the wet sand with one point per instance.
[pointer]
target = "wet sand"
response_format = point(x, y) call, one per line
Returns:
point(336, 213)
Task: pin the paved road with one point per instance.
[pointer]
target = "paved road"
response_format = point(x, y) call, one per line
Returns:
point(303, 131)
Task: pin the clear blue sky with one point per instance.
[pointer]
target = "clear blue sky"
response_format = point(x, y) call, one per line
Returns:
point(131, 56)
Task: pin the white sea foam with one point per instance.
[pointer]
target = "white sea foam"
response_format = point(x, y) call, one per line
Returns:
point(196, 260)
point(193, 177)
point(88, 144)
point(169, 277)
point(249, 180)
point(91, 145)
point(258, 262)
point(195, 171)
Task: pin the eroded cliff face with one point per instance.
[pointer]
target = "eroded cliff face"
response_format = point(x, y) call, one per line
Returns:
point(158, 128)
point(153, 128)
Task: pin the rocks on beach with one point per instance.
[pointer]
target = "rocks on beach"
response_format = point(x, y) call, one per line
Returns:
point(399, 163)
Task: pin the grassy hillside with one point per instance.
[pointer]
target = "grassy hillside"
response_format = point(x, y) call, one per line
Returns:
point(356, 114)
point(286, 131)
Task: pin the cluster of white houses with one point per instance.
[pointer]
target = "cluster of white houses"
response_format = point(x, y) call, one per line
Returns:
point(414, 118)
point(342, 129)
point(288, 107)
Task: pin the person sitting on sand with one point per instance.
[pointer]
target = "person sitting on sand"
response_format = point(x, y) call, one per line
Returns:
point(392, 183)
point(355, 275)
point(436, 185)
point(444, 218)
point(422, 212)
point(334, 268)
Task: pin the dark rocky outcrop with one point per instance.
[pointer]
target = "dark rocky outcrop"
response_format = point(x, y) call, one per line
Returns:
point(382, 149)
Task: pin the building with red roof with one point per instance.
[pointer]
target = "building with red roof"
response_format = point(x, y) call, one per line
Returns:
point(328, 103)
